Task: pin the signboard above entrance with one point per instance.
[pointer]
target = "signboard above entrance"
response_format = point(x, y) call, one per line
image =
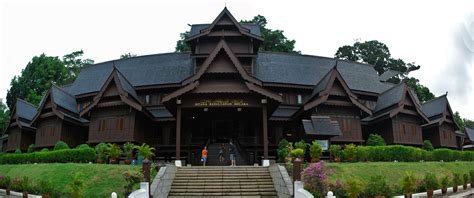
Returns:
point(220, 103)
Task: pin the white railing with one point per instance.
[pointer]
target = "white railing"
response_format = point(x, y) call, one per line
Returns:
point(143, 192)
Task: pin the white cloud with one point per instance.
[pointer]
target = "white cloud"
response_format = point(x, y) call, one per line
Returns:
point(419, 31)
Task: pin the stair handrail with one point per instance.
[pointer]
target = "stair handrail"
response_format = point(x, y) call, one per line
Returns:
point(241, 151)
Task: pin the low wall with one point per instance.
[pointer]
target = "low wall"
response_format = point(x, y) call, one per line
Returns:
point(281, 180)
point(161, 185)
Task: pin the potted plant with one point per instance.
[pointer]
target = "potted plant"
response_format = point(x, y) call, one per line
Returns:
point(354, 188)
point(46, 188)
point(315, 151)
point(408, 183)
point(114, 152)
point(146, 151)
point(22, 185)
point(457, 180)
point(377, 187)
point(6, 183)
point(471, 173)
point(297, 153)
point(431, 183)
point(336, 152)
point(444, 184)
point(76, 186)
point(128, 151)
point(349, 151)
point(101, 149)
point(465, 178)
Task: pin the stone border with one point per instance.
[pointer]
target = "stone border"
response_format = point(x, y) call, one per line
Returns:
point(162, 182)
point(19, 194)
point(281, 181)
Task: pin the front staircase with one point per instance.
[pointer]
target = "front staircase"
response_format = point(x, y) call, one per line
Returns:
point(223, 181)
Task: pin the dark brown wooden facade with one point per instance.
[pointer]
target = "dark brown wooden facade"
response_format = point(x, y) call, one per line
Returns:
point(226, 90)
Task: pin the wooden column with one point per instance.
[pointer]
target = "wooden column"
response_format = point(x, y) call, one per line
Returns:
point(178, 133)
point(265, 132)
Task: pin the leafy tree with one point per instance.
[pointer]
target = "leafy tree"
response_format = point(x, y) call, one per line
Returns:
point(127, 55)
point(74, 64)
point(4, 116)
point(36, 78)
point(377, 53)
point(181, 45)
point(459, 121)
point(273, 40)
point(423, 93)
point(469, 123)
point(375, 140)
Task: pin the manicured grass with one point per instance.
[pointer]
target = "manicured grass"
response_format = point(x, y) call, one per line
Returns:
point(394, 171)
point(100, 179)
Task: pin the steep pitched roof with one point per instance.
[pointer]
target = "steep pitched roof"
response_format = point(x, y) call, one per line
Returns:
point(124, 88)
point(321, 91)
point(390, 97)
point(470, 134)
point(284, 112)
point(225, 13)
point(290, 68)
point(197, 28)
point(321, 125)
point(436, 106)
point(64, 99)
point(160, 113)
point(170, 68)
point(25, 109)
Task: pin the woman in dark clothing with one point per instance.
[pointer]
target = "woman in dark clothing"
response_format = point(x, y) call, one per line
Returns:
point(221, 153)
point(232, 154)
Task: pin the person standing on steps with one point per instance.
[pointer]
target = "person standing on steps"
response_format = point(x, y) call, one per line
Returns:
point(221, 153)
point(204, 156)
point(232, 154)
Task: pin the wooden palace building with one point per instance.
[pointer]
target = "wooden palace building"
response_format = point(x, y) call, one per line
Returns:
point(226, 90)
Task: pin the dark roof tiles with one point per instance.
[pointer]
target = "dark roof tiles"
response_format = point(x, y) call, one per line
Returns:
point(25, 110)
point(321, 125)
point(64, 99)
point(470, 134)
point(390, 97)
point(196, 28)
point(435, 107)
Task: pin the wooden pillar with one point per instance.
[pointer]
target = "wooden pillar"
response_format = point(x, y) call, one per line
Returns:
point(265, 132)
point(178, 133)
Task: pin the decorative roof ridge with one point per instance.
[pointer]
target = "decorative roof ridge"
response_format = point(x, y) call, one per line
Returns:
point(437, 98)
point(135, 57)
point(62, 90)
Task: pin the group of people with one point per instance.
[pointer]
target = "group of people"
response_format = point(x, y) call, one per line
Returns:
point(221, 154)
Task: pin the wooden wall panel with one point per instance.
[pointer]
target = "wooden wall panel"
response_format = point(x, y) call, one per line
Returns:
point(447, 136)
point(348, 119)
point(14, 139)
point(112, 124)
point(48, 132)
point(407, 130)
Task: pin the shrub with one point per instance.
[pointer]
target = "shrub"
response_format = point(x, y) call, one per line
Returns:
point(354, 188)
point(46, 187)
point(301, 145)
point(442, 154)
point(349, 151)
point(361, 154)
point(457, 180)
point(375, 140)
point(427, 145)
point(445, 181)
point(431, 182)
point(5, 182)
point(128, 150)
point(76, 186)
point(297, 153)
point(44, 150)
point(465, 178)
point(59, 156)
point(377, 186)
point(315, 150)
point(114, 151)
point(336, 151)
point(31, 148)
point(471, 174)
point(82, 146)
point(338, 189)
point(146, 151)
point(408, 183)
point(17, 151)
point(101, 150)
point(315, 178)
point(132, 178)
point(60, 145)
point(283, 150)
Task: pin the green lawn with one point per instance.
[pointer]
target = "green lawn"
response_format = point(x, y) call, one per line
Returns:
point(394, 171)
point(100, 179)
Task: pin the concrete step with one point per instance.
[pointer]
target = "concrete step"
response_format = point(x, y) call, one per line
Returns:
point(217, 183)
point(226, 186)
point(221, 180)
point(213, 190)
point(222, 194)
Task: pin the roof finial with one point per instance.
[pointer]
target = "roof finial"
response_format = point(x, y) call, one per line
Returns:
point(446, 93)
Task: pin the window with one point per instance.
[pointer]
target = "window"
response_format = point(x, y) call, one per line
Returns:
point(300, 99)
point(119, 124)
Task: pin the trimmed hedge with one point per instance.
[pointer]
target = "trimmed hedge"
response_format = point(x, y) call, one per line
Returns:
point(408, 154)
point(59, 156)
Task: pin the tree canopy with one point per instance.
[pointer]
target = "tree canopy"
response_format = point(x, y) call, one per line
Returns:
point(4, 117)
point(127, 55)
point(274, 40)
point(459, 120)
point(41, 72)
point(378, 54)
